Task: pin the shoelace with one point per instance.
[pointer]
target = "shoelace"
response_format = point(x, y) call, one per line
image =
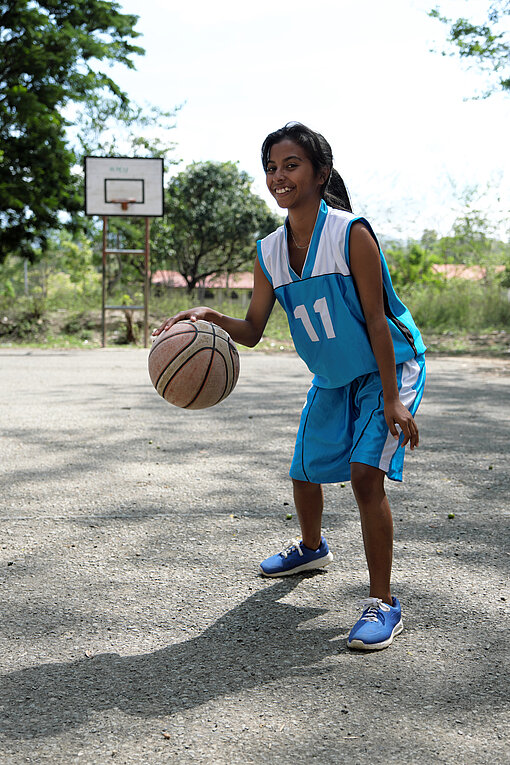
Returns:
point(293, 545)
point(372, 606)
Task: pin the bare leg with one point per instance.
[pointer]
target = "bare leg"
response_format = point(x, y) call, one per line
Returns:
point(376, 526)
point(309, 503)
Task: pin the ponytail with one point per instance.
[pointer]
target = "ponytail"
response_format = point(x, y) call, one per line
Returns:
point(335, 193)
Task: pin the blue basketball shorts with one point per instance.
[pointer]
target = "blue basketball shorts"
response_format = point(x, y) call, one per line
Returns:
point(343, 425)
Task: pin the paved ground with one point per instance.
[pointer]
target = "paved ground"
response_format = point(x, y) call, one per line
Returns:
point(135, 628)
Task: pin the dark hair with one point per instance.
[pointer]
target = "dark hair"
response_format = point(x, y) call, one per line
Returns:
point(318, 150)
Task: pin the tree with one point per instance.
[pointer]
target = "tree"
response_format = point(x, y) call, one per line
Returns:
point(472, 242)
point(484, 44)
point(50, 51)
point(412, 264)
point(474, 238)
point(211, 223)
point(109, 127)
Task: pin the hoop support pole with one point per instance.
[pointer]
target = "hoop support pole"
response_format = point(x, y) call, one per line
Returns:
point(103, 302)
point(147, 283)
point(146, 290)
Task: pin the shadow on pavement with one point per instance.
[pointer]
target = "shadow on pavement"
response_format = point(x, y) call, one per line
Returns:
point(255, 643)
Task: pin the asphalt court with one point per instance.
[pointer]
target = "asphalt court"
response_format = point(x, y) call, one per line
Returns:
point(135, 627)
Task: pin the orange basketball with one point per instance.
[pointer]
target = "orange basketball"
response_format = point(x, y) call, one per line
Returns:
point(194, 364)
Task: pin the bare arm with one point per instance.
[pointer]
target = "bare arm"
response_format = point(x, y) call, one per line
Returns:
point(367, 273)
point(247, 331)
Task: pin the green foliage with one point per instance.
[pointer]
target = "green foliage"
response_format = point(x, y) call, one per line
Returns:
point(441, 304)
point(65, 274)
point(483, 44)
point(505, 276)
point(473, 239)
point(109, 127)
point(125, 273)
point(458, 305)
point(50, 54)
point(472, 242)
point(27, 319)
point(211, 223)
point(411, 264)
point(72, 256)
point(11, 280)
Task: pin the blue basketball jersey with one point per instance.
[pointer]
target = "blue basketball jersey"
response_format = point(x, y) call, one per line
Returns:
point(325, 315)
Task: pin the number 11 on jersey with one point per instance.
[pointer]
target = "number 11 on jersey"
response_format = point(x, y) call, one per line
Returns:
point(321, 307)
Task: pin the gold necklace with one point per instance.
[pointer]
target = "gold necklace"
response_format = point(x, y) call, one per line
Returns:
point(299, 246)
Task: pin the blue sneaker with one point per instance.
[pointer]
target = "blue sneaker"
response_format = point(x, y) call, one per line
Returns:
point(378, 625)
point(296, 558)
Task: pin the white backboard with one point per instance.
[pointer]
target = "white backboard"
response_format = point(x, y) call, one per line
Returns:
point(129, 186)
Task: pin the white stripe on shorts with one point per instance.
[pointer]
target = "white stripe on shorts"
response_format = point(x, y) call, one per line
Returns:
point(407, 394)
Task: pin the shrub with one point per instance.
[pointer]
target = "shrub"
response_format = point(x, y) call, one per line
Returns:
point(458, 305)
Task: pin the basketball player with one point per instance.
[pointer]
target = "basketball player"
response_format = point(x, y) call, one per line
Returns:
point(325, 267)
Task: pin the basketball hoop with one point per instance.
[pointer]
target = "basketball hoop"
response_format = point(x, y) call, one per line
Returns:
point(124, 203)
point(130, 187)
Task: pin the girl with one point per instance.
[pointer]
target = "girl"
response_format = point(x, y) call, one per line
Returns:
point(325, 267)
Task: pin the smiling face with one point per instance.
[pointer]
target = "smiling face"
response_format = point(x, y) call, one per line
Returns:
point(291, 177)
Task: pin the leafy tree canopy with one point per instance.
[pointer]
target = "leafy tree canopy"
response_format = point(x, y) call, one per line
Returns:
point(106, 126)
point(485, 44)
point(51, 52)
point(212, 222)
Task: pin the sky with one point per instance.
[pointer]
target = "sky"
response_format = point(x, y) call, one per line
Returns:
point(407, 136)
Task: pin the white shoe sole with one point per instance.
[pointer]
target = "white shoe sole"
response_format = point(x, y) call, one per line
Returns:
point(320, 563)
point(360, 646)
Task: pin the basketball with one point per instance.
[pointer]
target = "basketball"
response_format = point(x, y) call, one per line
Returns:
point(194, 364)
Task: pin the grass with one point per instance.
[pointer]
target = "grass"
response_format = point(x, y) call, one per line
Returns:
point(458, 306)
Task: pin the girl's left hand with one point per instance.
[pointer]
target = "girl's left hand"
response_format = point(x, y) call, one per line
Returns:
point(397, 414)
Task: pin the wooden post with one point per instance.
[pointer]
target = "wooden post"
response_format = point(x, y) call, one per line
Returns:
point(146, 253)
point(103, 311)
point(147, 284)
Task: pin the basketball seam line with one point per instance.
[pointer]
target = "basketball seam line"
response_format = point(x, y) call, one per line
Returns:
point(188, 358)
point(175, 334)
point(233, 353)
point(192, 340)
point(197, 394)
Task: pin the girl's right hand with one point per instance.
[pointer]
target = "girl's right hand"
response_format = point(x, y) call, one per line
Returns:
point(195, 314)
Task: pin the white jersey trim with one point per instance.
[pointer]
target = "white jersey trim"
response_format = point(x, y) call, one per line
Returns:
point(327, 256)
point(331, 252)
point(407, 394)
